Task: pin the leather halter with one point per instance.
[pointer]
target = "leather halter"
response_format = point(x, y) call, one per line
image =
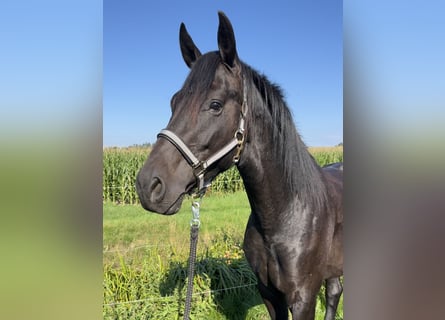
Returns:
point(200, 167)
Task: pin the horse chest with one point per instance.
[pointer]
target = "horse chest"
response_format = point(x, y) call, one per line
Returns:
point(275, 262)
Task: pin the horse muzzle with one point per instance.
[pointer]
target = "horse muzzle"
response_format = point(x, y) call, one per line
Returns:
point(162, 184)
point(154, 197)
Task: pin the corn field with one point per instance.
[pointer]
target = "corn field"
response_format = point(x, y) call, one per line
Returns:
point(121, 165)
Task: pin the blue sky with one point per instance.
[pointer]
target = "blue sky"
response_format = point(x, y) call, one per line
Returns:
point(50, 67)
point(297, 44)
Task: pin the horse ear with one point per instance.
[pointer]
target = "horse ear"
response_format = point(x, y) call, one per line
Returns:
point(226, 41)
point(190, 53)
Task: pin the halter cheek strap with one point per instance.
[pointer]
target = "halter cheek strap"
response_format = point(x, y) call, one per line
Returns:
point(200, 167)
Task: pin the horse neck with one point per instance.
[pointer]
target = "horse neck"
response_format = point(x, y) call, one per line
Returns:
point(273, 197)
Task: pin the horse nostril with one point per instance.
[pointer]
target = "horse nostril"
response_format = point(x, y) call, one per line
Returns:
point(157, 190)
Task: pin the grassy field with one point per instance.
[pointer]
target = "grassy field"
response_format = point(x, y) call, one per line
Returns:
point(145, 263)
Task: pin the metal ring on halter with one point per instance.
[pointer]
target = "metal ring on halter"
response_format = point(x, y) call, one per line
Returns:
point(239, 136)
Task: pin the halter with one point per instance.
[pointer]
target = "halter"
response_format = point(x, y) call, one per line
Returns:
point(200, 167)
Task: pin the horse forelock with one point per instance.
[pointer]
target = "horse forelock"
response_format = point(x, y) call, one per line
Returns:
point(199, 81)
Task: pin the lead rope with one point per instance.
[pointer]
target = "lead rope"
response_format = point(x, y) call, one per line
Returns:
point(194, 224)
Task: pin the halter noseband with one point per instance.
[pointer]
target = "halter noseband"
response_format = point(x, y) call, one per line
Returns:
point(200, 167)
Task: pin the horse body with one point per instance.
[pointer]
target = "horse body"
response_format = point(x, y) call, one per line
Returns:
point(292, 251)
point(292, 242)
point(293, 239)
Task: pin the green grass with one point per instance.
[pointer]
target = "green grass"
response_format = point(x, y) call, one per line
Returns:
point(145, 263)
point(127, 226)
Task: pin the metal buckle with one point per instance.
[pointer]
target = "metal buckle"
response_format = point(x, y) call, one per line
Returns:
point(239, 136)
point(199, 169)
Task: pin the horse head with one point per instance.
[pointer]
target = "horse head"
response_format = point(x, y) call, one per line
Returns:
point(206, 129)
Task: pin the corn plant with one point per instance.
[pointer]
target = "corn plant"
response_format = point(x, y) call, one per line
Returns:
point(121, 165)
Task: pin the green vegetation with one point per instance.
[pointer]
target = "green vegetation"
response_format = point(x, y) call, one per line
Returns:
point(145, 255)
point(121, 165)
point(145, 263)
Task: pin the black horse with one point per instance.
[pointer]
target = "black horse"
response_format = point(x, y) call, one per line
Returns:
point(228, 113)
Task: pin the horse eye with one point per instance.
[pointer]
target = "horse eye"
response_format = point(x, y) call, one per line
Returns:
point(216, 106)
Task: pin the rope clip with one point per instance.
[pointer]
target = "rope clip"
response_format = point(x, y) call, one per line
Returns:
point(195, 222)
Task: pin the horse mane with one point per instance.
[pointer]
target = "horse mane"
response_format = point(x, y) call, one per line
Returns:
point(300, 171)
point(267, 105)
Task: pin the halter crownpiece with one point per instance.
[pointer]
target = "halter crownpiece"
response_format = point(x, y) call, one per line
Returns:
point(200, 167)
